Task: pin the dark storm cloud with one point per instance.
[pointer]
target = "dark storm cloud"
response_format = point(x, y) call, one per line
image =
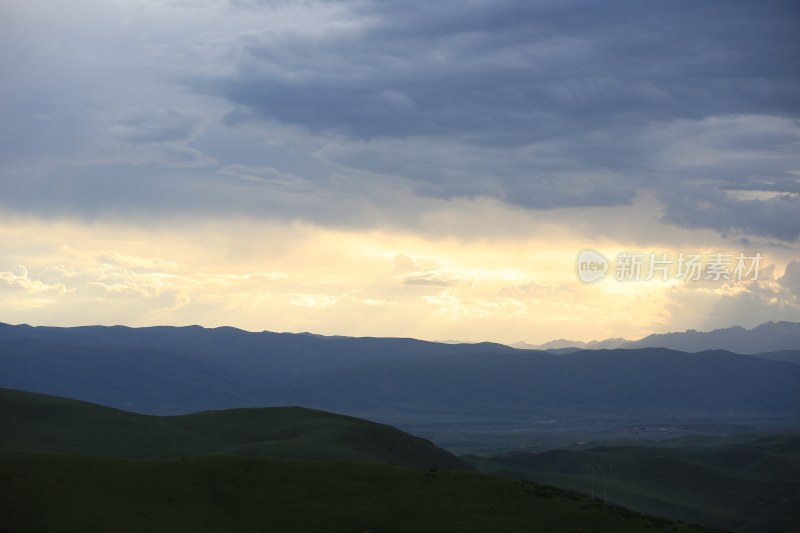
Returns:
point(517, 72)
point(705, 207)
point(548, 104)
point(154, 125)
point(360, 112)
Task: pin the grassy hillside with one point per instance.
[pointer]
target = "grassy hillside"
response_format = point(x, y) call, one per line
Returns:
point(241, 470)
point(39, 423)
point(744, 484)
point(54, 493)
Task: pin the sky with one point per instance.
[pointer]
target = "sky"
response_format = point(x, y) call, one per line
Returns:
point(415, 169)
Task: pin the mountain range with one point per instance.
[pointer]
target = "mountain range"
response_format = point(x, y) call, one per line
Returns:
point(767, 337)
point(177, 370)
point(564, 344)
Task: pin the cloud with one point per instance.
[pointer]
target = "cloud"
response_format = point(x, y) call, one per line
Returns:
point(371, 114)
point(515, 72)
point(312, 300)
point(17, 280)
point(429, 280)
point(144, 263)
point(234, 279)
point(154, 135)
point(285, 276)
point(154, 125)
point(111, 287)
point(790, 280)
point(543, 104)
point(267, 176)
point(703, 206)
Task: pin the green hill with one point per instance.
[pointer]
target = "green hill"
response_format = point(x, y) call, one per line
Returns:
point(738, 485)
point(40, 423)
point(71, 466)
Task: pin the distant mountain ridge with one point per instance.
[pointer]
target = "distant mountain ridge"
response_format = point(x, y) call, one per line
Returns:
point(767, 337)
point(166, 370)
point(561, 344)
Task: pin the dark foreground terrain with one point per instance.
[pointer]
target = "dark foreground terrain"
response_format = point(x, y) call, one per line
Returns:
point(228, 493)
point(736, 483)
point(71, 466)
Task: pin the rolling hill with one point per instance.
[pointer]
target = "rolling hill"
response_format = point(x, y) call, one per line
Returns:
point(47, 424)
point(746, 484)
point(72, 466)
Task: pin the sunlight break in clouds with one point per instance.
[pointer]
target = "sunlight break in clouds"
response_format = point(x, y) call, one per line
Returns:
point(297, 278)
